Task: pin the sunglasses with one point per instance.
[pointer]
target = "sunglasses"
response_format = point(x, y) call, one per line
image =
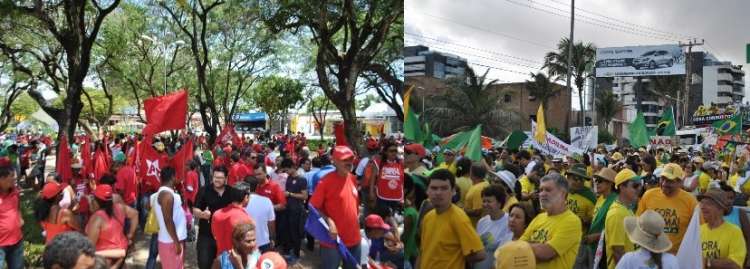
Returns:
point(634, 185)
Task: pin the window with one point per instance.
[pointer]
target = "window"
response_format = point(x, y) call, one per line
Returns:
point(507, 98)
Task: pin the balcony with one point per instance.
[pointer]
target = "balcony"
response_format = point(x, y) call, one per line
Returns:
point(725, 76)
point(724, 88)
point(739, 82)
point(724, 100)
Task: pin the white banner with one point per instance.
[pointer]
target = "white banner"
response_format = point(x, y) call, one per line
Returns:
point(585, 138)
point(553, 146)
point(667, 142)
point(634, 61)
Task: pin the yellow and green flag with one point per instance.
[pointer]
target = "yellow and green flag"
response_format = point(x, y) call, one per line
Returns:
point(666, 126)
point(412, 128)
point(731, 125)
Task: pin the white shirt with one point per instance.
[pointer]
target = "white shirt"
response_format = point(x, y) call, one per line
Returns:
point(178, 217)
point(261, 210)
point(529, 167)
point(360, 171)
point(641, 259)
point(494, 233)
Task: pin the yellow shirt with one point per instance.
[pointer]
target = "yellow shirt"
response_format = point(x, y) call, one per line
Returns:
point(703, 181)
point(676, 211)
point(582, 207)
point(452, 167)
point(510, 202)
point(447, 238)
point(474, 200)
point(724, 242)
point(614, 230)
point(599, 203)
point(562, 232)
point(526, 186)
point(463, 183)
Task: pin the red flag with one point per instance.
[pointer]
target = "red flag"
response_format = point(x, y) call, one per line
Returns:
point(181, 158)
point(165, 112)
point(228, 134)
point(338, 130)
point(100, 164)
point(88, 163)
point(150, 165)
point(107, 150)
point(63, 162)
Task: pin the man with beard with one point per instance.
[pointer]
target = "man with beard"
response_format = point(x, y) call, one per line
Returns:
point(555, 235)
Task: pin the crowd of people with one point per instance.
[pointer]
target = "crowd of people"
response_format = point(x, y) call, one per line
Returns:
point(244, 205)
point(619, 208)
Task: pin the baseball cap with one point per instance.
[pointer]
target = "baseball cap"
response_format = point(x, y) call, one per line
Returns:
point(416, 148)
point(672, 171)
point(376, 222)
point(342, 153)
point(372, 144)
point(617, 156)
point(51, 189)
point(515, 255)
point(103, 192)
point(271, 260)
point(625, 175)
point(119, 157)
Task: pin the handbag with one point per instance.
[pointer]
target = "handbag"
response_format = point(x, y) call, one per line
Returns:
point(152, 224)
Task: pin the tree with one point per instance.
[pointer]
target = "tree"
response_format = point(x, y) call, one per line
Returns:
point(470, 100)
point(348, 34)
point(542, 89)
point(607, 107)
point(12, 88)
point(68, 30)
point(318, 106)
point(584, 58)
point(275, 95)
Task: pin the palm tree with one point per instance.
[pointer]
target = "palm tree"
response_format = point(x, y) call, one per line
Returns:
point(542, 89)
point(584, 58)
point(470, 100)
point(607, 106)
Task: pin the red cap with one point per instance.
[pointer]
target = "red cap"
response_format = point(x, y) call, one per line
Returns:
point(103, 192)
point(51, 189)
point(374, 221)
point(271, 260)
point(372, 144)
point(416, 148)
point(342, 153)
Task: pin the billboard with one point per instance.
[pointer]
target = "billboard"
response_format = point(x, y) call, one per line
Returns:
point(660, 60)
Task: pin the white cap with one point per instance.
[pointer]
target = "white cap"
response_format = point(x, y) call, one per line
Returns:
point(507, 177)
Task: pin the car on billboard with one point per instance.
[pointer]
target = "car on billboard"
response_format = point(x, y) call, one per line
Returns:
point(654, 59)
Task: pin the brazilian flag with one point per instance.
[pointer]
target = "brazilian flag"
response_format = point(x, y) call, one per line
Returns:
point(731, 125)
point(665, 126)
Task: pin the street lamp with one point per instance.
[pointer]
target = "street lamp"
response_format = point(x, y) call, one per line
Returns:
point(176, 45)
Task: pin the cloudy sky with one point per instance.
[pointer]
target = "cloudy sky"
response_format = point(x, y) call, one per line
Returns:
point(511, 36)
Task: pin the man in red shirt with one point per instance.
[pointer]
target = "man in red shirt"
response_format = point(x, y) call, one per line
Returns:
point(238, 171)
point(337, 200)
point(224, 220)
point(127, 183)
point(269, 188)
point(11, 236)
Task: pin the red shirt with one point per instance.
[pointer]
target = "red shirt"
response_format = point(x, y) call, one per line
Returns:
point(10, 219)
point(223, 222)
point(191, 180)
point(237, 173)
point(272, 191)
point(127, 184)
point(337, 197)
point(390, 183)
point(111, 235)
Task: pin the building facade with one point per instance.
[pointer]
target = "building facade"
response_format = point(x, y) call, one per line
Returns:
point(421, 61)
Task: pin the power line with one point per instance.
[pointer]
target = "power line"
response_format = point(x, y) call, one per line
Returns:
point(450, 50)
point(435, 41)
point(589, 22)
point(478, 49)
point(652, 29)
point(538, 44)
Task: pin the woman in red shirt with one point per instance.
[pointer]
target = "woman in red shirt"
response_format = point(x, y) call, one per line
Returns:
point(106, 226)
point(11, 236)
point(53, 218)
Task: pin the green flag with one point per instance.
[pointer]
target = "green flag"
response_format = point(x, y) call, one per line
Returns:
point(637, 131)
point(666, 126)
point(474, 145)
point(412, 128)
point(731, 125)
point(515, 140)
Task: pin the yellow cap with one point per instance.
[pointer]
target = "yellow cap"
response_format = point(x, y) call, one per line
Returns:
point(617, 156)
point(697, 159)
point(625, 175)
point(672, 171)
point(516, 255)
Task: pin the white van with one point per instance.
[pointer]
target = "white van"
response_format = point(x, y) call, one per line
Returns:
point(690, 137)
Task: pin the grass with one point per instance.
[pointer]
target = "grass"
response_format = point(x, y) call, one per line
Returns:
point(32, 232)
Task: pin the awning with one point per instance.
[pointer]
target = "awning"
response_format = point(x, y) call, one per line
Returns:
point(249, 117)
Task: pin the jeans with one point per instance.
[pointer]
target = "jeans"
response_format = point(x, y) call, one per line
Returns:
point(330, 257)
point(13, 255)
point(153, 251)
point(265, 248)
point(143, 207)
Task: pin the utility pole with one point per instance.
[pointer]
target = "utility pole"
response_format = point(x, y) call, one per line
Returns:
point(688, 75)
point(570, 55)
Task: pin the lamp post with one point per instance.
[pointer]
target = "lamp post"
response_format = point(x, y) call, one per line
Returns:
point(164, 47)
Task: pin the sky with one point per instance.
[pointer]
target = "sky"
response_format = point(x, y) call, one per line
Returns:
point(510, 37)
